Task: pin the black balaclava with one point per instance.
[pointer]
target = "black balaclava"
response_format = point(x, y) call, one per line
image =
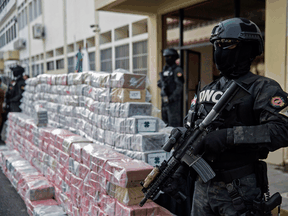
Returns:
point(170, 60)
point(233, 63)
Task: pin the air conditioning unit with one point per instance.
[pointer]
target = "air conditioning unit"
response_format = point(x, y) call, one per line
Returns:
point(20, 44)
point(38, 31)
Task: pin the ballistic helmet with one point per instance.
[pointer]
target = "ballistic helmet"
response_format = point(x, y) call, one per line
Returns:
point(238, 29)
point(170, 52)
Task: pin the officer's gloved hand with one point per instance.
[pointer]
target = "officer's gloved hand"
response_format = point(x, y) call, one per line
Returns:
point(177, 181)
point(214, 142)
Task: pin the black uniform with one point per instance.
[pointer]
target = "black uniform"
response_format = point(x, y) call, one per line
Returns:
point(171, 84)
point(243, 133)
point(16, 95)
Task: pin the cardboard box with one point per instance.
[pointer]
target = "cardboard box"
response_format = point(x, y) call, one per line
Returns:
point(128, 80)
point(123, 95)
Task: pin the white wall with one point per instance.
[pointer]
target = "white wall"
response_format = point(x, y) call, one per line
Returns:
point(80, 16)
point(53, 21)
point(111, 20)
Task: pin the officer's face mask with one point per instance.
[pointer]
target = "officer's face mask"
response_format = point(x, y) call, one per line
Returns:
point(232, 58)
point(170, 60)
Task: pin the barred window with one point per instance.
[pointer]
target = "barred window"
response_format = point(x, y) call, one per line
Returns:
point(42, 68)
point(106, 60)
point(140, 54)
point(71, 66)
point(60, 64)
point(37, 69)
point(34, 73)
point(122, 57)
point(92, 60)
point(50, 65)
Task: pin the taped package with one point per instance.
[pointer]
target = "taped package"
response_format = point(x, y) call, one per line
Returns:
point(100, 79)
point(126, 196)
point(74, 79)
point(135, 108)
point(128, 80)
point(142, 124)
point(36, 188)
point(68, 141)
point(123, 95)
point(149, 209)
point(76, 151)
point(31, 205)
point(148, 141)
point(126, 172)
point(53, 210)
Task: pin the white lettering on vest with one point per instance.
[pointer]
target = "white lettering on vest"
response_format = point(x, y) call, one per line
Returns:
point(210, 96)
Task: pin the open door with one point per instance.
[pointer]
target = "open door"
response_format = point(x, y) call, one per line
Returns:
point(192, 62)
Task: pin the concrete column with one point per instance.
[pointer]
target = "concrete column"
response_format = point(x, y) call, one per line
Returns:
point(276, 55)
point(154, 57)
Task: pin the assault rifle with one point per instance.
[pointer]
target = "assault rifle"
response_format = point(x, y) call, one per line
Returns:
point(184, 143)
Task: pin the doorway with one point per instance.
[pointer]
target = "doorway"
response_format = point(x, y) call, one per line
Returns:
point(192, 76)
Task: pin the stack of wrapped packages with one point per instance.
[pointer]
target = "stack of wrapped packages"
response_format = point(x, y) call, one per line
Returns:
point(97, 147)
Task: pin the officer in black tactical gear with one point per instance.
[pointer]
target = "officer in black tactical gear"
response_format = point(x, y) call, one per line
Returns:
point(171, 84)
point(243, 133)
point(17, 89)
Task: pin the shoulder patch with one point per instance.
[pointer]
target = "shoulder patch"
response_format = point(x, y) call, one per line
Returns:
point(277, 101)
point(179, 74)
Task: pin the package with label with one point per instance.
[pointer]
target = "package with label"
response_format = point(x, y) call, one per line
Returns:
point(88, 150)
point(142, 124)
point(128, 80)
point(148, 141)
point(135, 108)
point(73, 139)
point(76, 151)
point(123, 95)
point(126, 172)
point(36, 188)
point(104, 95)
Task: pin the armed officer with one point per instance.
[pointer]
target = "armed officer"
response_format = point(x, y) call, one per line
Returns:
point(171, 84)
point(17, 89)
point(243, 133)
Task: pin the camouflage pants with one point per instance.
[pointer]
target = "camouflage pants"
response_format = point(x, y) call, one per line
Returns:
point(212, 198)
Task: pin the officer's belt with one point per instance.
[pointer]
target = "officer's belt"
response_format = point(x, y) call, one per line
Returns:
point(229, 175)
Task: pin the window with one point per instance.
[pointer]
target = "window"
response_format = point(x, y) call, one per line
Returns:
point(42, 68)
point(30, 12)
point(60, 64)
point(15, 34)
point(35, 8)
point(122, 57)
point(92, 60)
point(106, 60)
point(39, 7)
point(71, 66)
point(34, 74)
point(140, 54)
point(50, 65)
point(20, 21)
point(25, 17)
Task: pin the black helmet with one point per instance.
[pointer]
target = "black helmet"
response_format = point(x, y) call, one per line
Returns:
point(240, 29)
point(17, 71)
point(170, 52)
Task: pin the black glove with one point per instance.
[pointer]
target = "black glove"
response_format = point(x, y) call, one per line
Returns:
point(214, 142)
point(177, 181)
